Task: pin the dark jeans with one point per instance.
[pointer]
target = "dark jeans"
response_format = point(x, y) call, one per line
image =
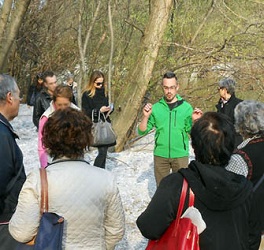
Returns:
point(6, 240)
point(101, 157)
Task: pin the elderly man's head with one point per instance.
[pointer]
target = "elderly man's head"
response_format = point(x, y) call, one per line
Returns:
point(9, 97)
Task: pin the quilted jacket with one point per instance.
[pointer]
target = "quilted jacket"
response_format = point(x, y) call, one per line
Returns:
point(86, 196)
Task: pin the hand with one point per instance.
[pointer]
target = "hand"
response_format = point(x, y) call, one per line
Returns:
point(197, 114)
point(147, 110)
point(104, 109)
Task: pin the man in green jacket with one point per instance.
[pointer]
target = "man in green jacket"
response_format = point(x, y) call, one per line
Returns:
point(172, 118)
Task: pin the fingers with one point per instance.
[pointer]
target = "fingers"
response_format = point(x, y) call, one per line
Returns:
point(104, 109)
point(198, 111)
point(148, 107)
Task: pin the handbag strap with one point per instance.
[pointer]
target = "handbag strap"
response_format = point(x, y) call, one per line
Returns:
point(258, 183)
point(182, 200)
point(93, 115)
point(191, 198)
point(44, 203)
point(99, 115)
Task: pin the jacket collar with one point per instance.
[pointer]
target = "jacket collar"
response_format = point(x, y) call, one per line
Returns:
point(177, 103)
point(4, 121)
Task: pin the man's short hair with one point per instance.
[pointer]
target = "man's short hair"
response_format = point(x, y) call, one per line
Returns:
point(47, 74)
point(169, 75)
point(7, 84)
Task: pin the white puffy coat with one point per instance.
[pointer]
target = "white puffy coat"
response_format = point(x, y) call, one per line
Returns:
point(86, 196)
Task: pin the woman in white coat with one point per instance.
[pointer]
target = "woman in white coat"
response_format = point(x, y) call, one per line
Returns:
point(86, 196)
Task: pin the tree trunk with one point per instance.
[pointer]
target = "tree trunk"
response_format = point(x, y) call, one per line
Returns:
point(9, 26)
point(83, 46)
point(129, 101)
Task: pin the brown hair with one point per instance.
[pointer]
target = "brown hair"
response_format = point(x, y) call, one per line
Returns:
point(90, 88)
point(62, 91)
point(67, 133)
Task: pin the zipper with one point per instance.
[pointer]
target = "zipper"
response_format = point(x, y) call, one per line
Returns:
point(170, 134)
point(184, 145)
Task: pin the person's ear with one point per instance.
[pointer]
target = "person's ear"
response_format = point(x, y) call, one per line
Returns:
point(9, 97)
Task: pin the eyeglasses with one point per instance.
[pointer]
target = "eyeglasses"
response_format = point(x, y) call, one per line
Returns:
point(218, 88)
point(169, 88)
point(99, 83)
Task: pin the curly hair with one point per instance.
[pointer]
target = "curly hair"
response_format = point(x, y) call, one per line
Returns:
point(67, 133)
point(249, 118)
point(213, 139)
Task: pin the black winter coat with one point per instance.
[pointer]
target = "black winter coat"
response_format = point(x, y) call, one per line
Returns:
point(90, 104)
point(224, 200)
point(228, 109)
point(11, 160)
point(41, 104)
point(33, 93)
point(253, 155)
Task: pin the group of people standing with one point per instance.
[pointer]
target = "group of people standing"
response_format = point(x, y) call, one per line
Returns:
point(91, 203)
point(49, 96)
point(225, 177)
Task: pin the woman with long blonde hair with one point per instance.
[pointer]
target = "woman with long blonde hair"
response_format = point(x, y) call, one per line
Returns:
point(94, 103)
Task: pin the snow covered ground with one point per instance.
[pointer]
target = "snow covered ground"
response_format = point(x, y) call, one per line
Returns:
point(133, 169)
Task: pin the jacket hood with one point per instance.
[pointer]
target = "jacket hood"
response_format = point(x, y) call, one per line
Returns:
point(215, 187)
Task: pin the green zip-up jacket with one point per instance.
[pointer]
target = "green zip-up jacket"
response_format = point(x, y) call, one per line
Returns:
point(172, 128)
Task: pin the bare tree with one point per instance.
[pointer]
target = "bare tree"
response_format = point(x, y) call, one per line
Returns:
point(130, 98)
point(111, 52)
point(83, 44)
point(12, 16)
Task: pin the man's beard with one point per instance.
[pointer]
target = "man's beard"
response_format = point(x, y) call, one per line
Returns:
point(169, 99)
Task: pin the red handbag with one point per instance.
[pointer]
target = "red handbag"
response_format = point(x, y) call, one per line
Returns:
point(182, 234)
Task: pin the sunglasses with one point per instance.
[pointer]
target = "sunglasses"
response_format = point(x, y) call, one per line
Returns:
point(99, 83)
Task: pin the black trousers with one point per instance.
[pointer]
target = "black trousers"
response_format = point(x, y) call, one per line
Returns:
point(101, 157)
point(6, 240)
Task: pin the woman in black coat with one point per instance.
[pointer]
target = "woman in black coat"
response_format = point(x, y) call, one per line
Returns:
point(94, 99)
point(223, 198)
point(248, 158)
